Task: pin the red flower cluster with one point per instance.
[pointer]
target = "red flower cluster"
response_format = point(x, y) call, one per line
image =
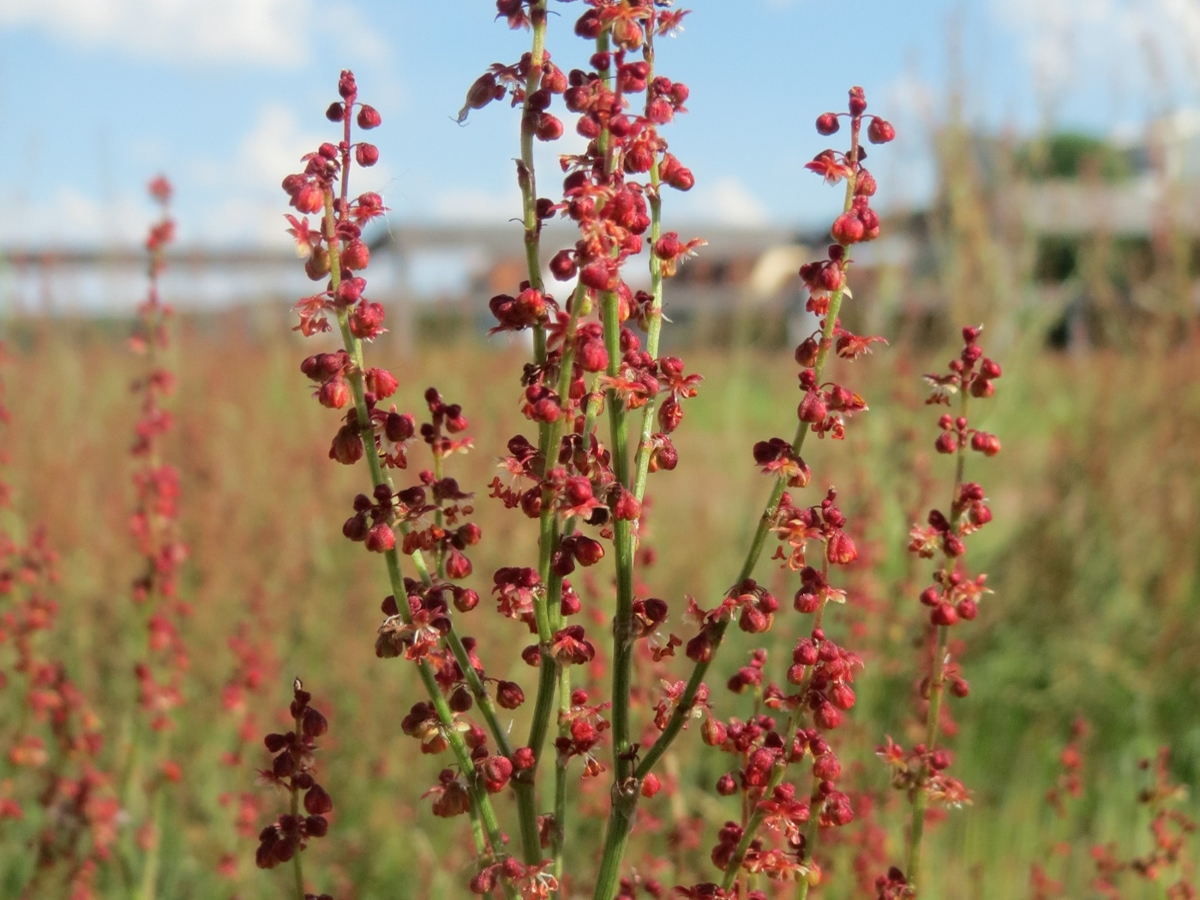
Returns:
point(1171, 830)
point(292, 769)
point(154, 522)
point(953, 597)
point(53, 752)
point(818, 682)
point(595, 352)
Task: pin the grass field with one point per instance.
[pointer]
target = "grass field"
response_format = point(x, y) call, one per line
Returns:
point(1093, 558)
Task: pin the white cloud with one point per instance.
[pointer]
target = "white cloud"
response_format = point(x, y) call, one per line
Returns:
point(726, 200)
point(1134, 45)
point(274, 146)
point(68, 216)
point(273, 33)
point(477, 205)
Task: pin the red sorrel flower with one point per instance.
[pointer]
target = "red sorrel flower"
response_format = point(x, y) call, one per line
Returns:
point(953, 598)
point(595, 354)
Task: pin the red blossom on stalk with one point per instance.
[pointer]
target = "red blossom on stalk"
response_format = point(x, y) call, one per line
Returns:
point(292, 769)
point(1170, 863)
point(953, 597)
point(55, 778)
point(154, 524)
point(780, 826)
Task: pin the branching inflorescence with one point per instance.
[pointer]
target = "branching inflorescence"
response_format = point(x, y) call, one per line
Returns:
point(162, 659)
point(292, 769)
point(595, 357)
point(953, 598)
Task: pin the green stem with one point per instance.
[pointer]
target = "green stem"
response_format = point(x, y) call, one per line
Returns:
point(477, 835)
point(682, 711)
point(616, 836)
point(810, 843)
point(622, 681)
point(560, 774)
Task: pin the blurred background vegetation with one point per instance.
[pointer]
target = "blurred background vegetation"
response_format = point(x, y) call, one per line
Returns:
point(1080, 258)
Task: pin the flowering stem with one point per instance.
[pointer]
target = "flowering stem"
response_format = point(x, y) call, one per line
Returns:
point(153, 854)
point(560, 773)
point(528, 182)
point(353, 347)
point(937, 689)
point(777, 773)
point(552, 674)
point(920, 801)
point(622, 818)
point(810, 842)
point(297, 864)
point(684, 707)
point(623, 545)
point(654, 324)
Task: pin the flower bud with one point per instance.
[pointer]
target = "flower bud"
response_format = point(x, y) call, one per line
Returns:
point(650, 785)
point(316, 826)
point(549, 127)
point(826, 767)
point(368, 117)
point(943, 614)
point(827, 716)
point(356, 255)
point(316, 267)
point(828, 124)
point(946, 442)
point(334, 393)
point(847, 229)
point(355, 528)
point(366, 155)
point(858, 101)
point(713, 732)
point(812, 408)
point(317, 801)
point(399, 427)
point(509, 694)
point(562, 266)
point(380, 538)
point(347, 447)
point(880, 132)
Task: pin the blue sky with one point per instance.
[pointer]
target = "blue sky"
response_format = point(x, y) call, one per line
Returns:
point(224, 95)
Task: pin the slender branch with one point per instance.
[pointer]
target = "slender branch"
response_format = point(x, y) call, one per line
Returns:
point(654, 325)
point(615, 842)
point(811, 834)
point(937, 689)
point(479, 798)
point(623, 545)
point(778, 770)
point(683, 709)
